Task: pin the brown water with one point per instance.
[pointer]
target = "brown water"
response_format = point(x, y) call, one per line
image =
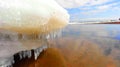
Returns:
point(80, 46)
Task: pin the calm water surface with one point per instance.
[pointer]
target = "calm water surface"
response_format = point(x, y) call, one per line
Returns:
point(106, 37)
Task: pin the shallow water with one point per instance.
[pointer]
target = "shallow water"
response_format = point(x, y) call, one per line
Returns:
point(80, 46)
point(91, 45)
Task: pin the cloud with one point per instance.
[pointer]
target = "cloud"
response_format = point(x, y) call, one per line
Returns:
point(72, 3)
point(116, 8)
point(107, 6)
point(97, 2)
point(78, 3)
point(92, 12)
point(101, 8)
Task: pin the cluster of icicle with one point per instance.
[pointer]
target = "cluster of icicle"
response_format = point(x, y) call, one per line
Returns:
point(9, 61)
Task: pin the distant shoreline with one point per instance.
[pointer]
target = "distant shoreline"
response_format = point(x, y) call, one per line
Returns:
point(96, 23)
point(110, 23)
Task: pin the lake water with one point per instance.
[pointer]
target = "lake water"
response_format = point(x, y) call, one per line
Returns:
point(104, 36)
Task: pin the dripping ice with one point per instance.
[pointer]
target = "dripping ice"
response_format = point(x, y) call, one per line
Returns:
point(8, 61)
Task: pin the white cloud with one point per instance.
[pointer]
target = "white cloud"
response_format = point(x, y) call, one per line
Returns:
point(78, 3)
point(92, 12)
point(97, 2)
point(102, 8)
point(72, 3)
point(107, 6)
point(117, 8)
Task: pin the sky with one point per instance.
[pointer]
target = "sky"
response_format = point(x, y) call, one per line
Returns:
point(91, 9)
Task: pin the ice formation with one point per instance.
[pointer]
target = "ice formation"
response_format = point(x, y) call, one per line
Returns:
point(11, 44)
point(26, 25)
point(36, 16)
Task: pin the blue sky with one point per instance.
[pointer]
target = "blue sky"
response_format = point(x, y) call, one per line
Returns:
point(91, 9)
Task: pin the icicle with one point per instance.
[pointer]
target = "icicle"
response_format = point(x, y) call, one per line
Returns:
point(20, 55)
point(39, 50)
point(29, 54)
point(24, 54)
point(54, 35)
point(35, 54)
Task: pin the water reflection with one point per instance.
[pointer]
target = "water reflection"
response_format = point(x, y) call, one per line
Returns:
point(104, 36)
